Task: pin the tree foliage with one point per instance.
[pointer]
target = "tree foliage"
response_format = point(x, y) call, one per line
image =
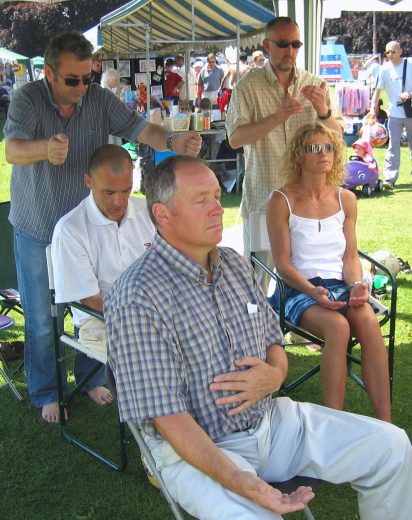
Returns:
point(355, 31)
point(27, 27)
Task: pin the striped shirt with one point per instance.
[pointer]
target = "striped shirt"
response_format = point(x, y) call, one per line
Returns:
point(41, 192)
point(170, 332)
point(258, 95)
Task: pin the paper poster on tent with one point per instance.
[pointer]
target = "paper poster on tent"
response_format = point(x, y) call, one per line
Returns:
point(140, 78)
point(107, 64)
point(123, 66)
point(157, 90)
point(142, 65)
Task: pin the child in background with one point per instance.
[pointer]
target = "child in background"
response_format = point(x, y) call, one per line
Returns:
point(363, 150)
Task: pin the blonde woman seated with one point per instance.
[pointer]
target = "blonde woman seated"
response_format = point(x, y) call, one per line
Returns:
point(311, 224)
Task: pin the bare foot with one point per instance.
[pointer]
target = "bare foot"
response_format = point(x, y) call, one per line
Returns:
point(100, 395)
point(50, 413)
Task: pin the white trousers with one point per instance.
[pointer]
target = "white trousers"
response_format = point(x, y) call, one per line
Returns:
point(301, 439)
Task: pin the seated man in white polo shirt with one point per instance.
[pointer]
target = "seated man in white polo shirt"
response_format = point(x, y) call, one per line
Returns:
point(94, 243)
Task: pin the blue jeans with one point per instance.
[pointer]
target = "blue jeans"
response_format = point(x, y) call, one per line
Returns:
point(39, 359)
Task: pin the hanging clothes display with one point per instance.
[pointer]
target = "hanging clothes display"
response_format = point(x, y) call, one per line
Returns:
point(353, 97)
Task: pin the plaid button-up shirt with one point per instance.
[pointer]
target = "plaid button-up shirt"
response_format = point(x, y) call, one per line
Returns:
point(258, 95)
point(170, 332)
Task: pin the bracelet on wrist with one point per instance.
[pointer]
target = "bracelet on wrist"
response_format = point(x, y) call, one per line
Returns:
point(354, 284)
point(326, 116)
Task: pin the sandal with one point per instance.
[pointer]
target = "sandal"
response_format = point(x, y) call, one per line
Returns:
point(12, 351)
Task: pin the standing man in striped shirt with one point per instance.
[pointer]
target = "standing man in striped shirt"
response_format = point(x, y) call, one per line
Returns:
point(53, 127)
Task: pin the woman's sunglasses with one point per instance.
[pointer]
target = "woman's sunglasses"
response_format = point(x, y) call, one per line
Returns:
point(316, 148)
point(282, 44)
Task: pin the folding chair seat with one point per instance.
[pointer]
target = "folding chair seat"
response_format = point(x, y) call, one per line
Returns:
point(9, 294)
point(260, 244)
point(66, 339)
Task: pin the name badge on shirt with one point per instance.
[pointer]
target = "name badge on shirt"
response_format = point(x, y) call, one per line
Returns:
point(252, 308)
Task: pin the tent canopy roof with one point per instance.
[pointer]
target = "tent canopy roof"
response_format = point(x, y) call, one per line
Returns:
point(7, 55)
point(124, 30)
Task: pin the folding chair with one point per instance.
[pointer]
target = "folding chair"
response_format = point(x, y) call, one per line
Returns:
point(147, 459)
point(65, 339)
point(5, 323)
point(260, 243)
point(9, 294)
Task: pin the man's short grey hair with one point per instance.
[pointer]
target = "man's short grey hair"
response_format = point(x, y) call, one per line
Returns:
point(116, 156)
point(279, 21)
point(160, 183)
point(68, 42)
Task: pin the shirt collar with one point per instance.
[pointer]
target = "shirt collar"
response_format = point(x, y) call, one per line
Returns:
point(272, 78)
point(182, 263)
point(97, 218)
point(49, 92)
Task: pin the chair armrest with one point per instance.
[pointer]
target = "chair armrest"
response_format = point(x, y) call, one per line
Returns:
point(280, 285)
point(87, 310)
point(394, 285)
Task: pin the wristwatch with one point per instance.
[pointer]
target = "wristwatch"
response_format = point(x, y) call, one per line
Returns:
point(354, 284)
point(169, 144)
point(327, 116)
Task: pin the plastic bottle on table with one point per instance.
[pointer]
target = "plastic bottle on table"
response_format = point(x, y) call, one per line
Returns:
point(206, 119)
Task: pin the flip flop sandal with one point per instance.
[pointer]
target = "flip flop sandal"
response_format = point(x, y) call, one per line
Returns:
point(13, 350)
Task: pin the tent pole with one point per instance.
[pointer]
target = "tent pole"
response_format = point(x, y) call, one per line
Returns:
point(148, 75)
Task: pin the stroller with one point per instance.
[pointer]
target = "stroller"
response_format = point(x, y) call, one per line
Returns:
point(362, 168)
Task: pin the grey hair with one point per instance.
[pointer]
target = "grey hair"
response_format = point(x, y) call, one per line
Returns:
point(160, 183)
point(116, 156)
point(108, 76)
point(68, 42)
point(279, 21)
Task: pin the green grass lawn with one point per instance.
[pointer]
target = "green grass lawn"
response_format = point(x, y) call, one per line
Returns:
point(43, 477)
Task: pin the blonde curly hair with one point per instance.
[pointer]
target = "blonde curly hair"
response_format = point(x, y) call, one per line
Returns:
point(293, 167)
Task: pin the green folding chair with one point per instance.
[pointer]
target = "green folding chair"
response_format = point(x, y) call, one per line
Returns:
point(66, 339)
point(9, 294)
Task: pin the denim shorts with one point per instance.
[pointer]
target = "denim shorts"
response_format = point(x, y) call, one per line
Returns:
point(297, 302)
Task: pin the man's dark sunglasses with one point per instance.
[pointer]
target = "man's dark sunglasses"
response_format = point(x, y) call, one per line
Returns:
point(74, 82)
point(283, 44)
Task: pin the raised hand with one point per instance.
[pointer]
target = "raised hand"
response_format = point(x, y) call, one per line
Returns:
point(317, 96)
point(288, 107)
point(187, 143)
point(57, 149)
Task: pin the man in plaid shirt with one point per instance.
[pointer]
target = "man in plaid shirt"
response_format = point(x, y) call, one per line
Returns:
point(195, 351)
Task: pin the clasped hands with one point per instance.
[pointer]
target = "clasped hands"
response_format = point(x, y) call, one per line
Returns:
point(248, 386)
point(359, 295)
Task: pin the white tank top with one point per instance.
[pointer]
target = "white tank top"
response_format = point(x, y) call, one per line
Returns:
point(317, 246)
